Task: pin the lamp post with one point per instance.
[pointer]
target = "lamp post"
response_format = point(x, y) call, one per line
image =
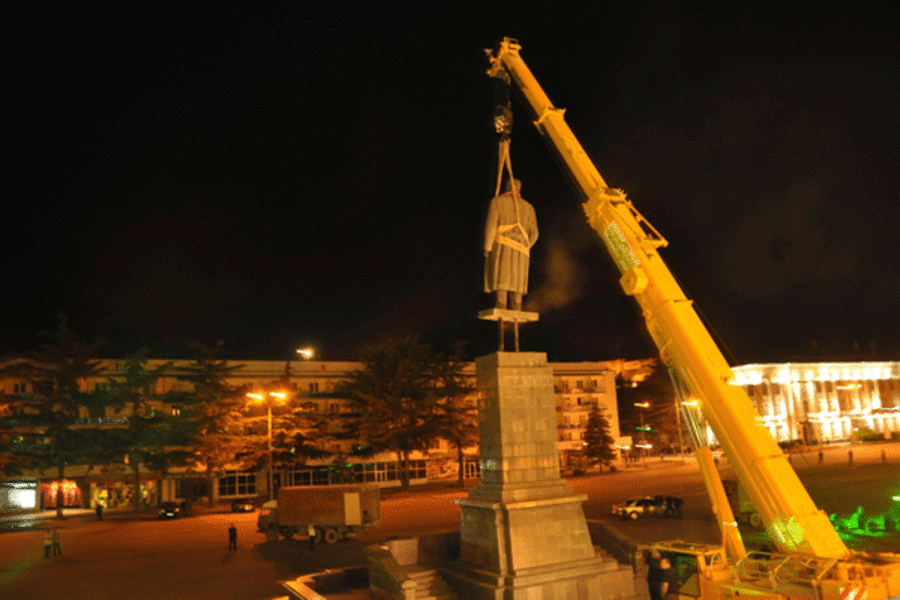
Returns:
point(642, 406)
point(267, 398)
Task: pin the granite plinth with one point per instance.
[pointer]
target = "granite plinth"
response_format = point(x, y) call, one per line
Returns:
point(523, 533)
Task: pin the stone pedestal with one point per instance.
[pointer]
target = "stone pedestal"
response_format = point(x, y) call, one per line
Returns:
point(523, 533)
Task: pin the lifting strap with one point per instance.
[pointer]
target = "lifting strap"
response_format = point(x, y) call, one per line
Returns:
point(505, 162)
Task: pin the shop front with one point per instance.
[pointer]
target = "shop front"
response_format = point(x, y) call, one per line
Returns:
point(116, 493)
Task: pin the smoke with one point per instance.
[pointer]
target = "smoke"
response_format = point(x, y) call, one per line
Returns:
point(563, 277)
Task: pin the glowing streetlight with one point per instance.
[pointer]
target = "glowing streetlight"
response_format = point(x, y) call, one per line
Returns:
point(642, 406)
point(267, 398)
point(306, 353)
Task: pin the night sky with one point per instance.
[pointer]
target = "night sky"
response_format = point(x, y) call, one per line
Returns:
point(282, 174)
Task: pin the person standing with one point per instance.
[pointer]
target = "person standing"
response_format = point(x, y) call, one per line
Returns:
point(653, 575)
point(54, 536)
point(232, 538)
point(99, 510)
point(311, 532)
point(668, 580)
point(48, 543)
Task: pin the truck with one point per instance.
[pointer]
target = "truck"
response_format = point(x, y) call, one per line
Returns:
point(740, 503)
point(335, 511)
point(810, 560)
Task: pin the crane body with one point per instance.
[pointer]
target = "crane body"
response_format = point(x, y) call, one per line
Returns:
point(811, 557)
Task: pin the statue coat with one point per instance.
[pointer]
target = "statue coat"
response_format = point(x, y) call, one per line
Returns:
point(507, 244)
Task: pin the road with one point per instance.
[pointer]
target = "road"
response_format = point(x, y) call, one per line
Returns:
point(144, 558)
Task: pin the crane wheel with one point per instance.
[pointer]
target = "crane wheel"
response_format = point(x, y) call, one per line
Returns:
point(331, 536)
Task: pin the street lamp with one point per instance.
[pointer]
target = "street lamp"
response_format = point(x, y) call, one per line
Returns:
point(267, 398)
point(642, 406)
point(306, 353)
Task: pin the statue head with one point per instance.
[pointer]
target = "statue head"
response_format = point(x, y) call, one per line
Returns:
point(511, 182)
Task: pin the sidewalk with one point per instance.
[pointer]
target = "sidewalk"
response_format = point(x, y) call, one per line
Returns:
point(38, 519)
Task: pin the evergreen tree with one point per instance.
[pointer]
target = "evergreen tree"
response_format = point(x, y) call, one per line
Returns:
point(458, 409)
point(598, 442)
point(213, 408)
point(145, 439)
point(48, 431)
point(399, 392)
point(297, 432)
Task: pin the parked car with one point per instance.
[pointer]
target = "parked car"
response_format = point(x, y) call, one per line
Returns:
point(649, 506)
point(242, 505)
point(169, 510)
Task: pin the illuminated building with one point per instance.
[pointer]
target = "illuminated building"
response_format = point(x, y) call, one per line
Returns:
point(319, 384)
point(827, 401)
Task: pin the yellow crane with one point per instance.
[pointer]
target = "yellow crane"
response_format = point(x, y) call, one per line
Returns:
point(812, 561)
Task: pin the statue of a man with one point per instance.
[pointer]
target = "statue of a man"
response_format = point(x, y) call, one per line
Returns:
point(509, 233)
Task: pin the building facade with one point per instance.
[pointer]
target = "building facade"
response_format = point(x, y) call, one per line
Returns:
point(320, 386)
point(825, 402)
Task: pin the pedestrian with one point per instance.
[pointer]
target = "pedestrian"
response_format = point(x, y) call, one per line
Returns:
point(99, 510)
point(883, 456)
point(232, 538)
point(48, 543)
point(850, 457)
point(668, 580)
point(821, 457)
point(311, 532)
point(653, 575)
point(54, 536)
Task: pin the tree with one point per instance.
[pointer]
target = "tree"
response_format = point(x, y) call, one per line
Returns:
point(458, 412)
point(598, 443)
point(213, 408)
point(51, 434)
point(296, 430)
point(145, 439)
point(399, 392)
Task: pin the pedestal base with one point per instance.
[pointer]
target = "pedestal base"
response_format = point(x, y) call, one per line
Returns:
point(576, 580)
point(523, 534)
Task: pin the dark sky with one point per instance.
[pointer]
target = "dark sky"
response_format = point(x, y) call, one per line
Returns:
point(280, 174)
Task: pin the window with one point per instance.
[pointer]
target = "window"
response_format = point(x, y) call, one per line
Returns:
point(314, 386)
point(176, 411)
point(237, 484)
point(20, 388)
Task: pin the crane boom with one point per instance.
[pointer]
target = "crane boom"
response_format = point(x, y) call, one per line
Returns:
point(793, 521)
